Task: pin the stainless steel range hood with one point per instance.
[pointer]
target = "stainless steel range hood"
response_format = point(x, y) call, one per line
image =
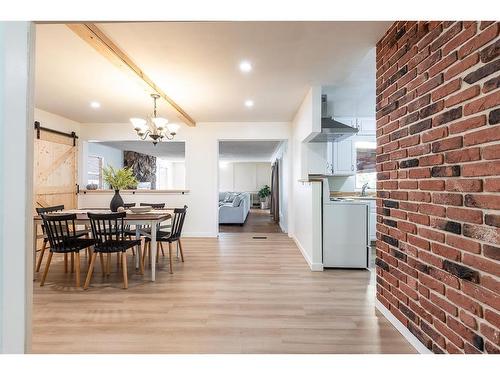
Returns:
point(331, 129)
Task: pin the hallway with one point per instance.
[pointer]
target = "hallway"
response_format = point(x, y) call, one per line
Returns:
point(258, 221)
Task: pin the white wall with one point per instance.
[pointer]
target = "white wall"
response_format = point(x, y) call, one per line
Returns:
point(244, 176)
point(16, 185)
point(282, 156)
point(305, 224)
point(201, 165)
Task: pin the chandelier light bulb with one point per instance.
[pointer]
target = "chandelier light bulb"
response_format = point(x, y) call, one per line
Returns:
point(173, 128)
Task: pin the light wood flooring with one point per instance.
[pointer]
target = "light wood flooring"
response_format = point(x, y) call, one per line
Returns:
point(234, 294)
point(258, 221)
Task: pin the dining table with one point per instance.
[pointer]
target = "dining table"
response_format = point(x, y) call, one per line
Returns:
point(148, 219)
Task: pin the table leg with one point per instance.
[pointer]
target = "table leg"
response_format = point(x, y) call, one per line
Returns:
point(153, 250)
point(138, 257)
point(34, 248)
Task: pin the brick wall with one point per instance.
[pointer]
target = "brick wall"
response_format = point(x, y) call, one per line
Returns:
point(438, 164)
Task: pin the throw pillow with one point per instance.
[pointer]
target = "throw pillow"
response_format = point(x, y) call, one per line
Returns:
point(237, 201)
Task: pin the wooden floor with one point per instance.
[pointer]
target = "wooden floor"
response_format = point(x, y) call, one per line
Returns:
point(258, 221)
point(234, 294)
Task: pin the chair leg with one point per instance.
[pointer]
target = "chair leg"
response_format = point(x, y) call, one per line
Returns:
point(180, 248)
point(44, 276)
point(108, 264)
point(124, 268)
point(91, 269)
point(65, 263)
point(77, 268)
point(118, 260)
point(40, 257)
point(103, 269)
point(158, 252)
point(72, 263)
point(141, 265)
point(161, 247)
point(89, 254)
point(170, 256)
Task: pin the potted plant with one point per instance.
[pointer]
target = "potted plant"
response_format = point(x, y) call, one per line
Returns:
point(118, 179)
point(264, 194)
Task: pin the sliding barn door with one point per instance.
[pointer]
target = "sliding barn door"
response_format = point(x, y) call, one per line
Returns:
point(55, 170)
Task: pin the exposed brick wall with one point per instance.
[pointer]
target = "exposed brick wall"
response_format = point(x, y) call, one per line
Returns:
point(438, 164)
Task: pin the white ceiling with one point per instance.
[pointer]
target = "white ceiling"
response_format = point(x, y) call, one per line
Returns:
point(196, 63)
point(247, 150)
point(167, 150)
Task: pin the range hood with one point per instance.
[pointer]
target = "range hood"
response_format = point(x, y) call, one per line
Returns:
point(331, 129)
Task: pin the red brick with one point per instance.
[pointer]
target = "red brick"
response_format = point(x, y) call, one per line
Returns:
point(489, 134)
point(446, 251)
point(465, 214)
point(444, 304)
point(434, 134)
point(447, 89)
point(430, 160)
point(492, 317)
point(482, 103)
point(491, 152)
point(461, 38)
point(464, 302)
point(447, 199)
point(482, 264)
point(418, 218)
point(447, 144)
point(430, 307)
point(432, 209)
point(431, 185)
point(479, 40)
point(463, 155)
point(430, 84)
point(443, 64)
point(491, 184)
point(468, 320)
point(488, 168)
point(491, 333)
point(467, 124)
point(450, 335)
point(481, 294)
point(463, 243)
point(462, 96)
point(418, 242)
point(461, 66)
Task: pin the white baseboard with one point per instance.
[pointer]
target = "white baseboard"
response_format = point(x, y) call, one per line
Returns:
point(312, 266)
point(402, 329)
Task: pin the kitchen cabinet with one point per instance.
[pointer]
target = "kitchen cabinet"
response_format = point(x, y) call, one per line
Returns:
point(342, 157)
point(366, 125)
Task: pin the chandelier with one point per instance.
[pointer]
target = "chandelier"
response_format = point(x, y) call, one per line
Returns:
point(157, 128)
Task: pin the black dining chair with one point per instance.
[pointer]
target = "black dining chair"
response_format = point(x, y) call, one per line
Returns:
point(172, 235)
point(62, 237)
point(79, 233)
point(109, 236)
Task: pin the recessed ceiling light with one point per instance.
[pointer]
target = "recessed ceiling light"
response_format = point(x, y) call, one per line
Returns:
point(249, 103)
point(245, 66)
point(95, 104)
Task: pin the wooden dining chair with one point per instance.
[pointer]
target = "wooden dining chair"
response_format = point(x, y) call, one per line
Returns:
point(109, 235)
point(62, 238)
point(171, 236)
point(79, 233)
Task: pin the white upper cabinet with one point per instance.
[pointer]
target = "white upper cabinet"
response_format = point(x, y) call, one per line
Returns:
point(344, 163)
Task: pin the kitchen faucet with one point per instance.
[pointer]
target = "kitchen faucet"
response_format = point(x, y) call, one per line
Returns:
point(363, 189)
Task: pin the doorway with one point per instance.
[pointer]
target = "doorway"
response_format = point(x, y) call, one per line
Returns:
point(250, 198)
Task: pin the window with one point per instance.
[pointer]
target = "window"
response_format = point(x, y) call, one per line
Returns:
point(365, 164)
point(94, 171)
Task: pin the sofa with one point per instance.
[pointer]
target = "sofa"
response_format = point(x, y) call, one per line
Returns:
point(233, 207)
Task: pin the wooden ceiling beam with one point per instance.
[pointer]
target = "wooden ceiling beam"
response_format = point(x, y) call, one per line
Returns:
point(91, 34)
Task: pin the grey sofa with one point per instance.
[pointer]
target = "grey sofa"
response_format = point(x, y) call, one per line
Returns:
point(233, 207)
